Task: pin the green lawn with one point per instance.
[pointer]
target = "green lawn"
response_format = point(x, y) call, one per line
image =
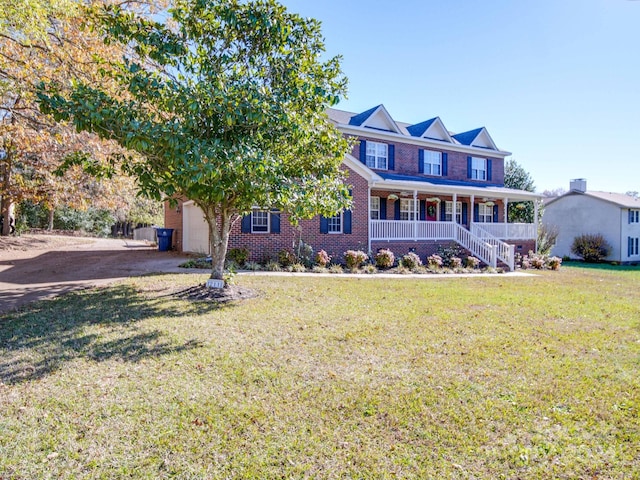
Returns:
point(324, 377)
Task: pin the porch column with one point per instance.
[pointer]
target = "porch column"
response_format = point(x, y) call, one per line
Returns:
point(368, 218)
point(454, 209)
point(473, 201)
point(506, 218)
point(416, 212)
point(535, 221)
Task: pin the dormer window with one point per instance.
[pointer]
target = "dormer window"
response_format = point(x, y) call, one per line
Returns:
point(377, 155)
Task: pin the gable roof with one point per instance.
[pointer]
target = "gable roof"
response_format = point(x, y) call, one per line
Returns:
point(620, 199)
point(376, 117)
point(432, 129)
point(478, 137)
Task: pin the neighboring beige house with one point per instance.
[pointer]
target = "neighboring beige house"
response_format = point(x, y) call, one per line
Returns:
point(580, 211)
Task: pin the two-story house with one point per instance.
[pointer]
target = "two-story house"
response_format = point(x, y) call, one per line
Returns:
point(414, 188)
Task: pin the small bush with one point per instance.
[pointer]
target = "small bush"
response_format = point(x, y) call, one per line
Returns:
point(286, 258)
point(355, 258)
point(255, 266)
point(323, 258)
point(554, 263)
point(402, 270)
point(319, 269)
point(411, 261)
point(335, 268)
point(455, 262)
point(434, 261)
point(298, 267)
point(238, 255)
point(547, 237)
point(591, 247)
point(447, 252)
point(305, 254)
point(370, 269)
point(471, 262)
point(272, 266)
point(385, 258)
point(537, 261)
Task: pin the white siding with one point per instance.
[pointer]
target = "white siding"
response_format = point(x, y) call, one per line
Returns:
point(576, 214)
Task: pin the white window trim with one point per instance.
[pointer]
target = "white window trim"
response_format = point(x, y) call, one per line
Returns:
point(410, 211)
point(372, 209)
point(253, 212)
point(483, 208)
point(475, 171)
point(448, 210)
point(377, 158)
point(634, 216)
point(634, 247)
point(329, 231)
point(426, 155)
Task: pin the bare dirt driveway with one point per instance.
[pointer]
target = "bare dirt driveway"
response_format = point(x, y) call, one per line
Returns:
point(33, 267)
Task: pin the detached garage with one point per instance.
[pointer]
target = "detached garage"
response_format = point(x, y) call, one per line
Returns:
point(195, 231)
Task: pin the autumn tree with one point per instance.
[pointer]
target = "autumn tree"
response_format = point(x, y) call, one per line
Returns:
point(225, 104)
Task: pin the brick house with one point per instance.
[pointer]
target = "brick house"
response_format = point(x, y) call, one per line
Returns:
point(414, 188)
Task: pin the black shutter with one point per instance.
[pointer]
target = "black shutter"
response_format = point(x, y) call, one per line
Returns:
point(363, 151)
point(275, 221)
point(476, 213)
point(489, 174)
point(245, 225)
point(465, 213)
point(346, 219)
point(495, 214)
point(397, 210)
point(423, 210)
point(468, 167)
point(443, 212)
point(324, 224)
point(392, 157)
point(420, 161)
point(445, 164)
point(383, 208)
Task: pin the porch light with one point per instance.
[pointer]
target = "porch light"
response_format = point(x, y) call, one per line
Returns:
point(393, 196)
point(489, 204)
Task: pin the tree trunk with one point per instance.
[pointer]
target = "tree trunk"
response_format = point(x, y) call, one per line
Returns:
point(6, 203)
point(50, 222)
point(6, 211)
point(220, 221)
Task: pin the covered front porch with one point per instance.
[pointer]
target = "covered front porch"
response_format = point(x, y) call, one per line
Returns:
point(474, 217)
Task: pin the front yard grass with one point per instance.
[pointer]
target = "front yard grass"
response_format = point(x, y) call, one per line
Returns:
point(328, 377)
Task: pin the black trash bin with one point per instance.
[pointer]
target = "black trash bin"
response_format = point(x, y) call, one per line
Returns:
point(164, 239)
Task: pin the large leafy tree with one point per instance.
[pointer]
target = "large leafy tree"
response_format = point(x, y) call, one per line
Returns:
point(515, 176)
point(224, 101)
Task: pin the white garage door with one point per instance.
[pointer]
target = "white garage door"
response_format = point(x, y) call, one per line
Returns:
point(195, 232)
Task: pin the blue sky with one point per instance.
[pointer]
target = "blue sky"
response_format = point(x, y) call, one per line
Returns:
point(556, 82)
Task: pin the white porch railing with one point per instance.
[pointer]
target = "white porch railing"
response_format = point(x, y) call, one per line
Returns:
point(504, 251)
point(510, 231)
point(408, 230)
point(481, 249)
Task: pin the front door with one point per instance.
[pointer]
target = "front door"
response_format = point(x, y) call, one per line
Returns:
point(432, 211)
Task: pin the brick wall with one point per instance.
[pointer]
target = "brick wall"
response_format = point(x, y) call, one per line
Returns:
point(173, 219)
point(406, 162)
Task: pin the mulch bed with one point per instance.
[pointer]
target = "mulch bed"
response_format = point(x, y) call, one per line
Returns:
point(202, 293)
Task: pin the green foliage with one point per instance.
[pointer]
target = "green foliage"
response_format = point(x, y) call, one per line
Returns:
point(435, 261)
point(515, 176)
point(93, 220)
point(411, 261)
point(355, 258)
point(591, 247)
point(384, 258)
point(286, 258)
point(238, 255)
point(547, 237)
point(225, 103)
point(323, 258)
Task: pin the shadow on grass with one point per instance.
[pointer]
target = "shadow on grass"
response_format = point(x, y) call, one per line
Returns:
point(601, 266)
point(99, 325)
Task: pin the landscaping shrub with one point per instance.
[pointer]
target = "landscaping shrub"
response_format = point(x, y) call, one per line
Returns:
point(298, 267)
point(471, 262)
point(447, 252)
point(371, 269)
point(455, 262)
point(238, 255)
point(323, 258)
point(384, 258)
point(591, 247)
point(537, 261)
point(255, 266)
point(286, 258)
point(434, 261)
point(547, 236)
point(272, 266)
point(305, 254)
point(355, 258)
point(554, 263)
point(411, 261)
point(335, 268)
